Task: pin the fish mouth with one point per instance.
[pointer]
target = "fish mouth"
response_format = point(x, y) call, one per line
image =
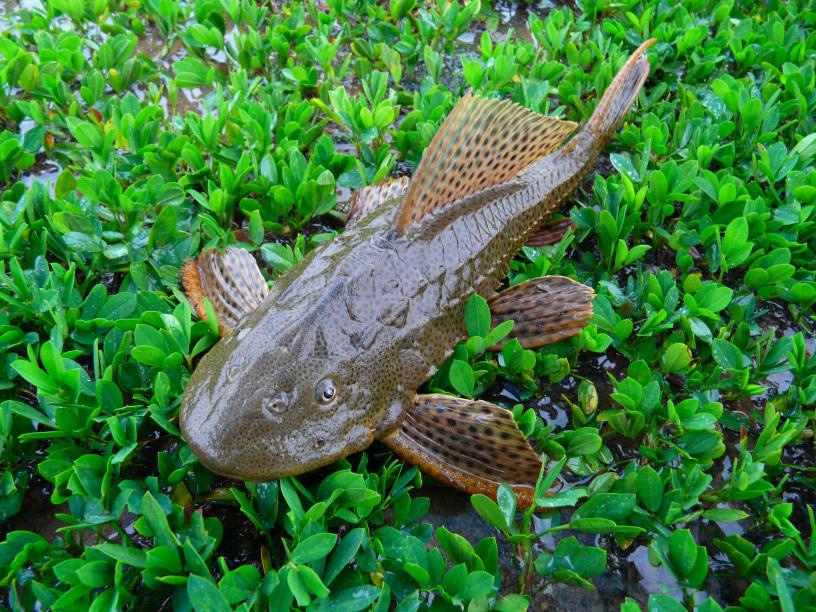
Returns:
point(220, 452)
point(221, 461)
point(224, 449)
point(216, 463)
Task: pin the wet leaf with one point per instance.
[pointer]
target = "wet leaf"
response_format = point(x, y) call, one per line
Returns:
point(205, 596)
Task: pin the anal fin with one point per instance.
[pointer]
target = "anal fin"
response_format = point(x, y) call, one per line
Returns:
point(545, 309)
point(472, 445)
point(231, 281)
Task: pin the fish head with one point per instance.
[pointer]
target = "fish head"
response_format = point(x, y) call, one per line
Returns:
point(287, 393)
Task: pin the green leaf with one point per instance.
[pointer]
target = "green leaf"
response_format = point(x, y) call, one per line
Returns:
point(455, 578)
point(584, 441)
point(352, 599)
point(623, 164)
point(256, 228)
point(314, 547)
point(238, 584)
point(478, 584)
point(477, 316)
point(572, 562)
point(149, 355)
point(700, 329)
point(400, 8)
point(778, 581)
point(725, 515)
point(630, 605)
point(462, 378)
point(736, 247)
point(649, 488)
point(664, 603)
point(108, 395)
point(36, 376)
point(157, 521)
point(312, 581)
point(119, 306)
point(676, 358)
point(697, 575)
point(613, 506)
point(594, 525)
point(191, 72)
point(86, 134)
point(506, 499)
point(682, 552)
point(728, 355)
point(96, 574)
point(343, 553)
point(29, 77)
point(489, 511)
point(126, 554)
point(205, 596)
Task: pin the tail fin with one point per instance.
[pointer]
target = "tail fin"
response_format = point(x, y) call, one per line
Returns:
point(621, 94)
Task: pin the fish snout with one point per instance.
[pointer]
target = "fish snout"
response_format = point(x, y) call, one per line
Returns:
point(230, 443)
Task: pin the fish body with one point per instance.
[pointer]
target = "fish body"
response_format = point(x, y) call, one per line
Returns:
point(332, 357)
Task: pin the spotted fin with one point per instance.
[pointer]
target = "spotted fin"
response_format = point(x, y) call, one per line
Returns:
point(469, 444)
point(367, 199)
point(483, 143)
point(621, 94)
point(545, 309)
point(231, 281)
point(550, 233)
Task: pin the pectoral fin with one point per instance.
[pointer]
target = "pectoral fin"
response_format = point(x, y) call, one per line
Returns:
point(545, 309)
point(231, 281)
point(471, 445)
point(550, 232)
point(367, 199)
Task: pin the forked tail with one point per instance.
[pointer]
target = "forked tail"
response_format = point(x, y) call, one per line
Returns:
point(621, 94)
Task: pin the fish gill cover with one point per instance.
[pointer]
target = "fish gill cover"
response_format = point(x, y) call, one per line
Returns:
point(676, 429)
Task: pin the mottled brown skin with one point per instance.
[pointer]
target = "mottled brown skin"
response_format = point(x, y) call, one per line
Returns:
point(372, 313)
point(375, 312)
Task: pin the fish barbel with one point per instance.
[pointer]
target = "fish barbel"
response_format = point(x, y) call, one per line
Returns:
point(331, 357)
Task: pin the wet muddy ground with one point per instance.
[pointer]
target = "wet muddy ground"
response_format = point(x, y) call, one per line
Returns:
point(629, 571)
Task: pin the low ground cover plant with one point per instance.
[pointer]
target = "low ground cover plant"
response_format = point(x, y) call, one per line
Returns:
point(677, 428)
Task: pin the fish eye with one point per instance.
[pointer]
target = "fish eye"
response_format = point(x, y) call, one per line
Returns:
point(326, 391)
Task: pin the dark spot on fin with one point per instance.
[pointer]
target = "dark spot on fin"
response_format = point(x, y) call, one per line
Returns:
point(475, 447)
point(545, 309)
point(231, 281)
point(482, 144)
point(550, 233)
point(367, 199)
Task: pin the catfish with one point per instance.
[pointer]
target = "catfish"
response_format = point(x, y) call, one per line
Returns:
point(331, 357)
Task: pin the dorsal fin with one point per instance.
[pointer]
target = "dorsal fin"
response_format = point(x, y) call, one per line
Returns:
point(481, 144)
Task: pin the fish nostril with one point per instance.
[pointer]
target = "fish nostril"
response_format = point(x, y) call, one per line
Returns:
point(276, 404)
